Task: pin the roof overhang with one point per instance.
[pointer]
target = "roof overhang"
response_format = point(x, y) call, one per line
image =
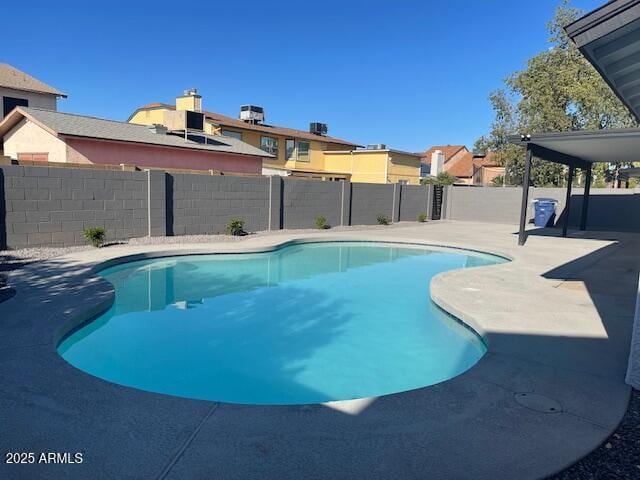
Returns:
point(609, 37)
point(584, 146)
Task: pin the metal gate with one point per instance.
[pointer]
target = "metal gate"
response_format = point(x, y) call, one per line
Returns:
point(436, 210)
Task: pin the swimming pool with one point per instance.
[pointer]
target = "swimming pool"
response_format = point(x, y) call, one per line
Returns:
point(307, 323)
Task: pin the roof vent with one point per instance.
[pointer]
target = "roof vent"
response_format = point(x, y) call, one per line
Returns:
point(376, 146)
point(318, 128)
point(251, 114)
point(158, 129)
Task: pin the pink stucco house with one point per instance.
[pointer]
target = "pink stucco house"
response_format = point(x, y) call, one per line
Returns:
point(49, 136)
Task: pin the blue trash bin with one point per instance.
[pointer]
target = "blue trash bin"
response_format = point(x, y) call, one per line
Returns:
point(545, 211)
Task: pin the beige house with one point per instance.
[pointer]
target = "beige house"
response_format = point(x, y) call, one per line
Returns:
point(18, 89)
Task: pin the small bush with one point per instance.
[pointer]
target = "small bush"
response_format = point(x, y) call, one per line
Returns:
point(422, 217)
point(235, 227)
point(321, 222)
point(383, 220)
point(95, 236)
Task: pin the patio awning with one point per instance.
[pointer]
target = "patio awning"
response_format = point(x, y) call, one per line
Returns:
point(578, 149)
point(609, 37)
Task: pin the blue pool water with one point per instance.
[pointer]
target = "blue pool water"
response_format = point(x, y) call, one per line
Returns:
point(304, 324)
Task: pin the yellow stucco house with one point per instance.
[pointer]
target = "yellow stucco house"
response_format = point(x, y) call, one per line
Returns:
point(300, 153)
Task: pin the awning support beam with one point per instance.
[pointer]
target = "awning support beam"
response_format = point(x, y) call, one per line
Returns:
point(525, 196)
point(557, 157)
point(585, 198)
point(567, 206)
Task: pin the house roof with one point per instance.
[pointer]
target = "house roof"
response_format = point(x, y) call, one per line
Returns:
point(67, 124)
point(448, 150)
point(237, 123)
point(488, 160)
point(11, 77)
point(461, 167)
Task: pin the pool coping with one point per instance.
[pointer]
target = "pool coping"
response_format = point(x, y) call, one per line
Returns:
point(443, 288)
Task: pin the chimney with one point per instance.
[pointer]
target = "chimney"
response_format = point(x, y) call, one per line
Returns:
point(158, 129)
point(190, 101)
point(437, 162)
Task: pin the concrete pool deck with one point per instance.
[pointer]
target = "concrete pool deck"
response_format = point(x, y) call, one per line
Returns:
point(557, 320)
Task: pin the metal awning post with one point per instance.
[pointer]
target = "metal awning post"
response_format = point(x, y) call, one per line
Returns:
point(525, 196)
point(567, 206)
point(585, 198)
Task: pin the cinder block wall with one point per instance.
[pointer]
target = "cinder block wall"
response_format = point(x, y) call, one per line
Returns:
point(414, 201)
point(204, 204)
point(51, 206)
point(304, 200)
point(609, 209)
point(46, 206)
point(370, 200)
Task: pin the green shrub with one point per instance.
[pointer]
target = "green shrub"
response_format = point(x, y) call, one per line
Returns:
point(443, 178)
point(95, 236)
point(321, 222)
point(235, 227)
point(422, 217)
point(383, 220)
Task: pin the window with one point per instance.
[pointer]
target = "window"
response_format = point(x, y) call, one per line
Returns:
point(231, 133)
point(269, 145)
point(9, 103)
point(290, 149)
point(33, 157)
point(303, 151)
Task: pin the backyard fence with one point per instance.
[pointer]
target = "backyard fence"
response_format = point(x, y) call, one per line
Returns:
point(609, 209)
point(49, 206)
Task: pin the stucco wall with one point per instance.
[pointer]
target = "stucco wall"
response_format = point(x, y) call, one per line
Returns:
point(36, 100)
point(609, 209)
point(115, 153)
point(27, 137)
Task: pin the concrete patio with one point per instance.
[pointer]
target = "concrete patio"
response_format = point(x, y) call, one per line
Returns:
point(557, 321)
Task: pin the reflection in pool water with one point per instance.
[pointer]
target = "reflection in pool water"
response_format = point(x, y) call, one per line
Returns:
point(304, 324)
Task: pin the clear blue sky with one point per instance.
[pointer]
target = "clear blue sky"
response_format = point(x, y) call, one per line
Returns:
point(410, 74)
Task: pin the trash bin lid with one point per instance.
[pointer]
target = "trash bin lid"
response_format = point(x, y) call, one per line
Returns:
point(543, 199)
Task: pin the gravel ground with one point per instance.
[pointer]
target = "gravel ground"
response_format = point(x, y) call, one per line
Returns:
point(617, 458)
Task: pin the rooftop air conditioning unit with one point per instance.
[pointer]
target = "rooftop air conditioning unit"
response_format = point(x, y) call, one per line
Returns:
point(377, 146)
point(251, 114)
point(183, 120)
point(318, 128)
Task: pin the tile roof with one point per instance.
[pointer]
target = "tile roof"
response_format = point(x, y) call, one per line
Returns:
point(488, 160)
point(448, 150)
point(11, 77)
point(467, 164)
point(67, 124)
point(272, 129)
point(461, 167)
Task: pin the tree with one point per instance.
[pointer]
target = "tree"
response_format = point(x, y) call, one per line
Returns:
point(443, 178)
point(559, 90)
